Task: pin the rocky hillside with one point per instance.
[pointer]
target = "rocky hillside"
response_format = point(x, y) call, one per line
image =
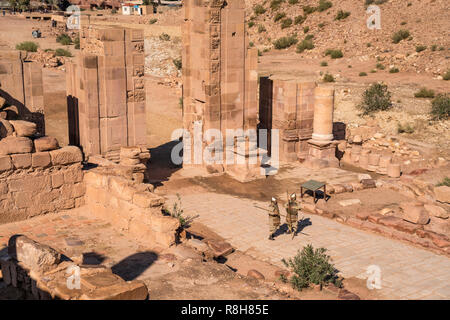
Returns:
point(422, 29)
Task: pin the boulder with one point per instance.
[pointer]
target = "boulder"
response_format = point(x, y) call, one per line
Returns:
point(436, 211)
point(255, 274)
point(6, 129)
point(24, 128)
point(415, 213)
point(442, 194)
point(13, 145)
point(33, 255)
point(46, 144)
point(220, 248)
point(364, 176)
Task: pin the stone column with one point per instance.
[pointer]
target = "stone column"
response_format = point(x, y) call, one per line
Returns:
point(323, 114)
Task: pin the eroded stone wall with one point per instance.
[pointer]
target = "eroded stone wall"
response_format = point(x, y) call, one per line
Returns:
point(129, 206)
point(37, 183)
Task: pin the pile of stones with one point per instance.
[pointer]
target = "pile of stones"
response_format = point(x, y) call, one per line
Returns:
point(136, 158)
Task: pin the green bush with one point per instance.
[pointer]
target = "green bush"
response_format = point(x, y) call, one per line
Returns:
point(324, 5)
point(375, 98)
point(293, 1)
point(394, 70)
point(400, 35)
point(308, 10)
point(324, 64)
point(440, 107)
point(164, 37)
point(424, 93)
point(334, 54)
point(342, 15)
point(380, 66)
point(178, 63)
point(28, 46)
point(251, 24)
point(285, 42)
point(309, 37)
point(305, 29)
point(76, 42)
point(446, 75)
point(60, 52)
point(420, 48)
point(64, 39)
point(363, 74)
point(261, 28)
point(279, 16)
point(312, 266)
point(275, 4)
point(259, 9)
point(328, 78)
point(299, 19)
point(445, 182)
point(407, 128)
point(433, 47)
point(286, 23)
point(305, 45)
point(153, 21)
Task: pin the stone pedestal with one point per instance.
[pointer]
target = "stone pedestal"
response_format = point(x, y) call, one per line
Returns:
point(323, 152)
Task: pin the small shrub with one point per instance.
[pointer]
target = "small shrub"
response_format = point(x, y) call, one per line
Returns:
point(309, 37)
point(64, 39)
point(446, 76)
point(275, 4)
point(400, 35)
point(251, 24)
point(153, 21)
point(363, 74)
point(259, 9)
point(299, 19)
point(178, 63)
point(433, 47)
point(308, 10)
point(334, 54)
point(113, 11)
point(324, 5)
point(321, 25)
point(403, 23)
point(311, 266)
point(164, 37)
point(424, 93)
point(305, 45)
point(420, 48)
point(279, 16)
point(375, 98)
point(305, 29)
point(286, 23)
point(28, 46)
point(261, 28)
point(293, 1)
point(60, 52)
point(324, 64)
point(440, 107)
point(328, 78)
point(341, 15)
point(178, 213)
point(394, 70)
point(76, 42)
point(285, 42)
point(445, 182)
point(380, 66)
point(405, 128)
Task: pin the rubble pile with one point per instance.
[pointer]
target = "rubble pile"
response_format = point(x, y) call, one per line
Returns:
point(47, 58)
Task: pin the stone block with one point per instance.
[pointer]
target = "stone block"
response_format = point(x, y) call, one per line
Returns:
point(35, 256)
point(46, 144)
point(24, 128)
point(5, 163)
point(162, 223)
point(415, 213)
point(442, 194)
point(40, 159)
point(21, 161)
point(147, 200)
point(436, 211)
point(66, 155)
point(14, 145)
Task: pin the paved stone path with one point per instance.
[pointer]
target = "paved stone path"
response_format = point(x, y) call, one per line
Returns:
point(407, 272)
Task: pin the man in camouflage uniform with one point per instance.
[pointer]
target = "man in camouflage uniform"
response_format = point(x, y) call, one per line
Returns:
point(274, 217)
point(292, 209)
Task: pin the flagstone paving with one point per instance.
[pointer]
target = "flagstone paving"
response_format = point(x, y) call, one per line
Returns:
point(407, 272)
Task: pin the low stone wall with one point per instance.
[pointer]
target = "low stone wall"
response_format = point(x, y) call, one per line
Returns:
point(37, 183)
point(42, 273)
point(129, 206)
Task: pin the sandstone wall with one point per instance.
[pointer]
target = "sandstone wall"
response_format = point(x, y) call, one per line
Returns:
point(37, 183)
point(129, 206)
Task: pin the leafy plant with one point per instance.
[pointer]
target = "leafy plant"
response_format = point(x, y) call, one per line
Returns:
point(261, 28)
point(285, 42)
point(446, 75)
point(394, 70)
point(324, 5)
point(305, 45)
point(178, 213)
point(60, 52)
point(178, 63)
point(64, 39)
point(400, 35)
point(76, 42)
point(324, 64)
point(363, 74)
point(440, 107)
point(420, 48)
point(286, 23)
point(279, 16)
point(312, 266)
point(153, 21)
point(334, 54)
point(405, 128)
point(28, 46)
point(328, 78)
point(299, 19)
point(342, 15)
point(445, 182)
point(424, 93)
point(259, 9)
point(164, 37)
point(375, 98)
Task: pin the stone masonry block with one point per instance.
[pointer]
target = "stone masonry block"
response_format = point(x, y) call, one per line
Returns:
point(40, 159)
point(66, 155)
point(21, 161)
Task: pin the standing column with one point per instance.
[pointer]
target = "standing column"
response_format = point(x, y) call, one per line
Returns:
point(323, 114)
